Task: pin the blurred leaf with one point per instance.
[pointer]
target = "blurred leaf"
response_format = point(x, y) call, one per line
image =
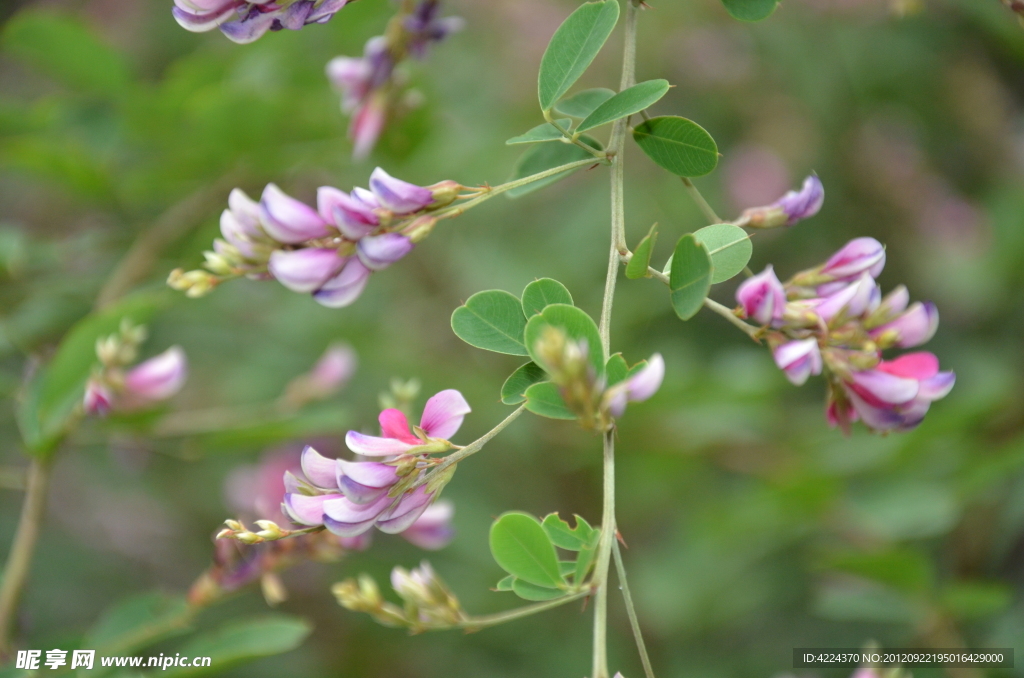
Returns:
point(678, 145)
point(528, 591)
point(866, 603)
point(543, 132)
point(513, 391)
point(563, 536)
point(540, 294)
point(900, 568)
point(638, 265)
point(136, 623)
point(60, 160)
point(616, 369)
point(522, 548)
point(492, 320)
point(544, 399)
point(67, 50)
point(729, 247)
point(577, 326)
point(976, 600)
point(573, 47)
point(750, 10)
point(583, 104)
point(906, 510)
point(241, 641)
point(691, 275)
point(543, 157)
point(505, 583)
point(627, 102)
point(584, 560)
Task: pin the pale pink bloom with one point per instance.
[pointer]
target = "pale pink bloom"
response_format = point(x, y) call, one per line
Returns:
point(158, 378)
point(442, 417)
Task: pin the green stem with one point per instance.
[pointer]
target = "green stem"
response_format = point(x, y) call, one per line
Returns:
point(631, 611)
point(604, 549)
point(484, 621)
point(701, 202)
point(19, 560)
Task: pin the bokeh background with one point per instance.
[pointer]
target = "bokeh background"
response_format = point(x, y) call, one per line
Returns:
point(752, 527)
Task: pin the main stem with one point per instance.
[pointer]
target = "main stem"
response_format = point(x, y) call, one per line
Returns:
point(618, 244)
point(19, 560)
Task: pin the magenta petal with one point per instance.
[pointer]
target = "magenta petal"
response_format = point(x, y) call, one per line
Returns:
point(856, 257)
point(288, 220)
point(647, 381)
point(798, 359)
point(443, 414)
point(318, 469)
point(306, 510)
point(433, 529)
point(372, 446)
point(919, 365)
point(305, 270)
point(98, 399)
point(344, 288)
point(874, 417)
point(160, 377)
point(380, 251)
point(399, 196)
point(762, 297)
point(886, 388)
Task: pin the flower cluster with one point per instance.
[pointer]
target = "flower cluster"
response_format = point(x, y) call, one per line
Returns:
point(351, 497)
point(113, 387)
point(429, 603)
point(329, 251)
point(834, 319)
point(242, 21)
point(369, 85)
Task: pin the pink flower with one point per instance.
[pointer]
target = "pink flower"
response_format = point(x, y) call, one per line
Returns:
point(244, 22)
point(288, 220)
point(852, 300)
point(799, 359)
point(433, 529)
point(858, 256)
point(637, 388)
point(896, 394)
point(353, 215)
point(158, 378)
point(344, 288)
point(442, 417)
point(98, 399)
point(913, 327)
point(762, 297)
point(305, 270)
point(380, 251)
point(399, 196)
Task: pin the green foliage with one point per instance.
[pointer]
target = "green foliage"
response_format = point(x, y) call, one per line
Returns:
point(241, 641)
point(491, 320)
point(523, 549)
point(569, 538)
point(513, 391)
point(582, 104)
point(627, 102)
point(540, 294)
point(750, 10)
point(542, 132)
point(138, 622)
point(543, 157)
point(577, 326)
point(678, 145)
point(544, 399)
point(638, 265)
point(729, 247)
point(573, 47)
point(690, 277)
point(528, 591)
point(616, 369)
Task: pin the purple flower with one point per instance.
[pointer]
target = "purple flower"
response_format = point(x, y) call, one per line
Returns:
point(913, 327)
point(399, 196)
point(433, 529)
point(858, 256)
point(158, 378)
point(244, 22)
point(637, 388)
point(354, 217)
point(799, 359)
point(239, 224)
point(380, 251)
point(442, 417)
point(344, 288)
point(362, 83)
point(895, 395)
point(288, 220)
point(425, 27)
point(305, 270)
point(98, 399)
point(790, 208)
point(851, 301)
point(762, 297)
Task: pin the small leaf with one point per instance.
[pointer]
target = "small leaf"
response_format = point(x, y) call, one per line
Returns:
point(540, 294)
point(573, 47)
point(543, 132)
point(521, 547)
point(583, 104)
point(543, 157)
point(528, 591)
point(636, 368)
point(567, 567)
point(577, 326)
point(616, 369)
point(678, 145)
point(729, 247)
point(750, 10)
point(513, 391)
point(583, 562)
point(492, 320)
point(139, 622)
point(242, 641)
point(627, 102)
point(544, 399)
point(637, 266)
point(505, 583)
point(690, 278)
point(565, 537)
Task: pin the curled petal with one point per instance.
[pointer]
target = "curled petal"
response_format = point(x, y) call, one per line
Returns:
point(393, 424)
point(325, 10)
point(920, 365)
point(250, 28)
point(354, 219)
point(937, 387)
point(380, 251)
point(399, 196)
point(288, 220)
point(408, 511)
point(365, 482)
point(443, 414)
point(348, 519)
point(647, 381)
point(912, 328)
point(305, 270)
point(160, 377)
point(318, 469)
point(344, 288)
point(307, 510)
point(373, 446)
point(433, 529)
point(762, 297)
point(880, 388)
point(856, 257)
point(202, 22)
point(798, 359)
point(803, 203)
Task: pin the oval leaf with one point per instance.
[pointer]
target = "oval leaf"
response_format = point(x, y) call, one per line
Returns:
point(544, 157)
point(750, 10)
point(513, 391)
point(521, 547)
point(573, 47)
point(577, 326)
point(627, 102)
point(638, 265)
point(540, 294)
point(528, 591)
point(492, 320)
point(616, 369)
point(729, 247)
point(565, 537)
point(678, 145)
point(690, 278)
point(543, 399)
point(583, 104)
point(543, 132)
point(242, 641)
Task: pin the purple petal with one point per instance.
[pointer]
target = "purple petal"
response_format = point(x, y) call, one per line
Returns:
point(306, 510)
point(408, 511)
point(876, 418)
point(856, 257)
point(296, 14)
point(160, 377)
point(380, 251)
point(937, 387)
point(288, 220)
point(762, 297)
point(249, 29)
point(852, 301)
point(399, 196)
point(305, 270)
point(344, 288)
point(348, 519)
point(884, 387)
point(325, 10)
point(647, 381)
point(354, 219)
point(798, 359)
point(318, 469)
point(373, 446)
point(914, 327)
point(433, 529)
point(202, 22)
point(803, 203)
point(365, 485)
point(443, 414)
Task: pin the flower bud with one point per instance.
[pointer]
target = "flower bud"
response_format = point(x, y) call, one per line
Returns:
point(304, 270)
point(912, 328)
point(852, 301)
point(158, 378)
point(380, 251)
point(891, 306)
point(445, 192)
point(762, 297)
point(193, 283)
point(98, 399)
point(858, 256)
point(399, 196)
point(420, 228)
point(218, 263)
point(790, 208)
point(344, 288)
point(288, 220)
point(799, 359)
point(353, 217)
point(367, 124)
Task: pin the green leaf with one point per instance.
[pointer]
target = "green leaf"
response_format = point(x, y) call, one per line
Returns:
point(565, 537)
point(567, 567)
point(616, 369)
point(543, 132)
point(577, 326)
point(528, 591)
point(51, 399)
point(521, 547)
point(66, 49)
point(543, 157)
point(750, 10)
point(637, 266)
point(729, 247)
point(627, 102)
point(240, 641)
point(138, 622)
point(505, 583)
point(690, 278)
point(976, 600)
point(492, 320)
point(583, 104)
point(573, 47)
point(678, 145)
point(540, 294)
point(544, 399)
point(902, 568)
point(584, 560)
point(513, 391)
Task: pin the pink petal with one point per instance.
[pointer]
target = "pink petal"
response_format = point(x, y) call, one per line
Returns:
point(288, 220)
point(305, 270)
point(348, 519)
point(306, 510)
point(408, 511)
point(372, 446)
point(318, 469)
point(393, 424)
point(432, 530)
point(921, 365)
point(160, 377)
point(343, 289)
point(880, 388)
point(937, 387)
point(647, 381)
point(443, 414)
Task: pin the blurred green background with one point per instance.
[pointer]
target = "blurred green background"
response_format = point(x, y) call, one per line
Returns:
point(752, 527)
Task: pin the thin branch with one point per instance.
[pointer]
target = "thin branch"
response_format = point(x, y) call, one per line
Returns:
point(484, 621)
point(701, 202)
point(631, 611)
